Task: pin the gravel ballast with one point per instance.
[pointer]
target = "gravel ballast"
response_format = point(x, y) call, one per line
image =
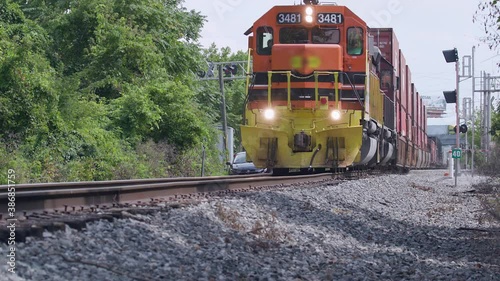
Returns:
point(392, 227)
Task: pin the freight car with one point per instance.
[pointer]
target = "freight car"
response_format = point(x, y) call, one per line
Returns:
point(328, 92)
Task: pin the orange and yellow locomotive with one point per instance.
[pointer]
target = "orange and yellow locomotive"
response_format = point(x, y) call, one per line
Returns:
point(314, 99)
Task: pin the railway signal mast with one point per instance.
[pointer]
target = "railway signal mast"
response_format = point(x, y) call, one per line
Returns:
point(224, 71)
point(452, 56)
point(486, 87)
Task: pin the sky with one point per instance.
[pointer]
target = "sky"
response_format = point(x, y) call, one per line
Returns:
point(424, 29)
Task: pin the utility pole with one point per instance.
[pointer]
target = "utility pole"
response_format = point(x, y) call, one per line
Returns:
point(223, 113)
point(467, 63)
point(457, 131)
point(473, 113)
point(485, 115)
point(485, 90)
point(466, 114)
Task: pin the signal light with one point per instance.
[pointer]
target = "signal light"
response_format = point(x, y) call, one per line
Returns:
point(210, 72)
point(450, 96)
point(206, 74)
point(201, 73)
point(230, 70)
point(451, 55)
point(461, 129)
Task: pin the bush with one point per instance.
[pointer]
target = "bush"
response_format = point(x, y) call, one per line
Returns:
point(490, 166)
point(490, 190)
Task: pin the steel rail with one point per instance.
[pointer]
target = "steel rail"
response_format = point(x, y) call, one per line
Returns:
point(50, 196)
point(94, 184)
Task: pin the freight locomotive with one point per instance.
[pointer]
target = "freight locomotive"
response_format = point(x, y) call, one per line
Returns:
point(328, 92)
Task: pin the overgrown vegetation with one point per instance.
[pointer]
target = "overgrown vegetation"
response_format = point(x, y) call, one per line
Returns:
point(490, 190)
point(488, 15)
point(488, 164)
point(99, 90)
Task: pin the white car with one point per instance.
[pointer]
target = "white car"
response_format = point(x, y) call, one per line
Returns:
point(241, 166)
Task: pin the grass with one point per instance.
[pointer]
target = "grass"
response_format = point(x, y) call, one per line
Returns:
point(489, 191)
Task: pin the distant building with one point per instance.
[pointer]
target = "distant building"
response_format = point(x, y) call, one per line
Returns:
point(445, 134)
point(446, 137)
point(436, 106)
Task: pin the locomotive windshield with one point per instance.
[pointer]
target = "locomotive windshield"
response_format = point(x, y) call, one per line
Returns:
point(294, 35)
point(300, 35)
point(325, 35)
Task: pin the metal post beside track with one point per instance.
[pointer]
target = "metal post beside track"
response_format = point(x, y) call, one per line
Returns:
point(457, 131)
point(223, 111)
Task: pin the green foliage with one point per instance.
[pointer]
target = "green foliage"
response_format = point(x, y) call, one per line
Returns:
point(27, 96)
point(135, 114)
point(488, 15)
point(10, 13)
point(495, 124)
point(181, 124)
point(98, 90)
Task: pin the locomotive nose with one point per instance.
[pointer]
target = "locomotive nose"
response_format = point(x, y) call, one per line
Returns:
point(306, 58)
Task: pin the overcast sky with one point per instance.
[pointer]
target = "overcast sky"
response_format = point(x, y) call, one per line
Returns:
point(424, 28)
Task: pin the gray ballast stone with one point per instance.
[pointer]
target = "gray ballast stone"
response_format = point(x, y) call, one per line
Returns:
point(391, 227)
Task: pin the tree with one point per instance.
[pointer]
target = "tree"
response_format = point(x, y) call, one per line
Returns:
point(28, 99)
point(84, 84)
point(118, 51)
point(488, 15)
point(495, 124)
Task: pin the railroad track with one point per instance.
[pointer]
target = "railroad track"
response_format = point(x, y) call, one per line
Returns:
point(53, 206)
point(78, 195)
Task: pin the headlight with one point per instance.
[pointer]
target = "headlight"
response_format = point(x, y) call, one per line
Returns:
point(335, 115)
point(269, 114)
point(309, 11)
point(309, 19)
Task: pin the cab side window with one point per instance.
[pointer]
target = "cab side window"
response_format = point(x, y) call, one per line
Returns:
point(265, 40)
point(355, 41)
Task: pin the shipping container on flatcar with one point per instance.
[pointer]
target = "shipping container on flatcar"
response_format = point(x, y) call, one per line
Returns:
point(419, 121)
point(424, 135)
point(402, 113)
point(411, 120)
point(416, 129)
point(424, 132)
point(433, 152)
point(385, 39)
